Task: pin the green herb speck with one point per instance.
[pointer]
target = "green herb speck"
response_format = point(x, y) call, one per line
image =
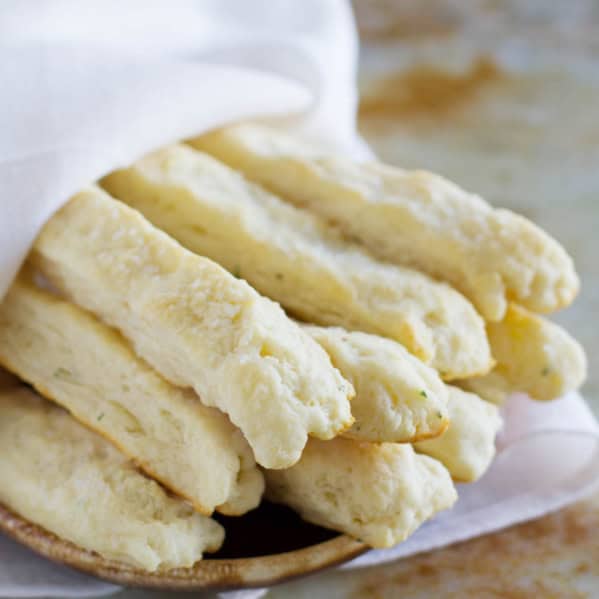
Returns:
point(546, 371)
point(423, 393)
point(279, 276)
point(100, 416)
point(439, 415)
point(62, 373)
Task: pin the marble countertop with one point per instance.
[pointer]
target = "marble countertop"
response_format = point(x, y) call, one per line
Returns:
point(503, 98)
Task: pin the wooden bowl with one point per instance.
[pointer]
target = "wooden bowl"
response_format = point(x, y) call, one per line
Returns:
point(267, 546)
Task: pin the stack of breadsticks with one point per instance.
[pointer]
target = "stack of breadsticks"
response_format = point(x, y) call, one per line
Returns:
point(243, 315)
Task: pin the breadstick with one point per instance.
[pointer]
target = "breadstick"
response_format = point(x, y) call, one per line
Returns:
point(58, 474)
point(296, 259)
point(89, 369)
point(467, 447)
point(413, 218)
point(398, 398)
point(534, 356)
point(197, 325)
point(379, 494)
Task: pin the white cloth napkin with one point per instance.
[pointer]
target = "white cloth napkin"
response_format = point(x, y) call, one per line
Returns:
point(90, 86)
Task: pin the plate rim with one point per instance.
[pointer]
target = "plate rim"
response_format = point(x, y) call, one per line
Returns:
point(207, 574)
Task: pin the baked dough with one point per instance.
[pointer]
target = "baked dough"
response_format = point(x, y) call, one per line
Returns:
point(296, 259)
point(398, 398)
point(65, 478)
point(379, 494)
point(413, 218)
point(89, 369)
point(196, 324)
point(467, 447)
point(492, 387)
point(534, 356)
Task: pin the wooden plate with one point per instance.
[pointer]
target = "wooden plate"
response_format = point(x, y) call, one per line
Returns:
point(267, 546)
